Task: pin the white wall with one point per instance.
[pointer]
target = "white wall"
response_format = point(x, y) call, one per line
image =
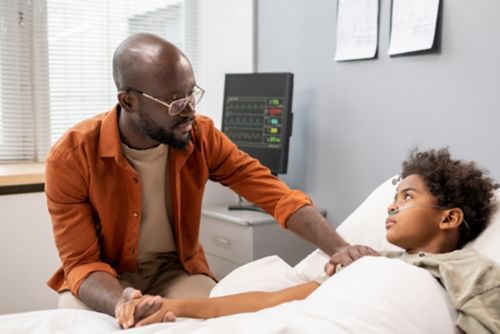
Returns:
point(27, 254)
point(226, 29)
point(354, 122)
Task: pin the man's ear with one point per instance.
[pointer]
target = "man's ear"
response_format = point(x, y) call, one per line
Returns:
point(452, 218)
point(128, 101)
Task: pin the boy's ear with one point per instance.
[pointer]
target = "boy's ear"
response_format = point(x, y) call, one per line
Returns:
point(452, 218)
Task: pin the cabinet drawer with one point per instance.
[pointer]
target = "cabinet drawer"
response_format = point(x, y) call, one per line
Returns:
point(229, 241)
point(219, 266)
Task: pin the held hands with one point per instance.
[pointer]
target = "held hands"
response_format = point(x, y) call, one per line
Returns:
point(132, 307)
point(346, 256)
point(164, 313)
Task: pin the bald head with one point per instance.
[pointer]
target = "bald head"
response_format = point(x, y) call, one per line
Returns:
point(147, 58)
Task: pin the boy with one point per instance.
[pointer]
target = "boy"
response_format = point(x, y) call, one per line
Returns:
point(439, 206)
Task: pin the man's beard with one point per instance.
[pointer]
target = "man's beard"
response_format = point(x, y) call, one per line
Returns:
point(148, 128)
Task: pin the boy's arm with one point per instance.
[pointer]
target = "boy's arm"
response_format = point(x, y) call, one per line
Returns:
point(220, 306)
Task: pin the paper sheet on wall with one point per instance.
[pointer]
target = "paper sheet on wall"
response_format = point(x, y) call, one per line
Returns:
point(413, 25)
point(357, 29)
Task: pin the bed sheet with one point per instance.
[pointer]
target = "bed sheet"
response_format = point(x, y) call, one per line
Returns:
point(373, 295)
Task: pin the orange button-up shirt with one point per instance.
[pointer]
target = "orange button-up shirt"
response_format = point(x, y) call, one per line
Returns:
point(94, 196)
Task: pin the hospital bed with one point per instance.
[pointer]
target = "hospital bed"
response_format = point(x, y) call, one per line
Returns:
point(373, 295)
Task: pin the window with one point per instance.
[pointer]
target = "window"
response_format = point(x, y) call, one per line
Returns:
point(17, 99)
point(55, 59)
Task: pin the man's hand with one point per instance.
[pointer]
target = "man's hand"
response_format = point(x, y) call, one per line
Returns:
point(133, 306)
point(346, 256)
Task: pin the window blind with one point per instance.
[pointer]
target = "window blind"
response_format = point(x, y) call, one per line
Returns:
point(55, 62)
point(17, 80)
point(82, 36)
point(55, 59)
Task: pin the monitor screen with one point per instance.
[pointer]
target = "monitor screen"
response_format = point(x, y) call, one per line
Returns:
point(257, 116)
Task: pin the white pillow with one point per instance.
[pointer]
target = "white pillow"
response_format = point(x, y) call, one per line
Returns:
point(488, 242)
point(366, 225)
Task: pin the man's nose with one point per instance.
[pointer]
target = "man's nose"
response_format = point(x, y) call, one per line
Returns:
point(188, 111)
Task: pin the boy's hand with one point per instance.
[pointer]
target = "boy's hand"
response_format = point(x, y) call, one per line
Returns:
point(346, 256)
point(164, 314)
point(159, 316)
point(133, 306)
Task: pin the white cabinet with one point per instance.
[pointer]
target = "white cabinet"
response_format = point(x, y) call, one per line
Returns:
point(231, 238)
point(27, 253)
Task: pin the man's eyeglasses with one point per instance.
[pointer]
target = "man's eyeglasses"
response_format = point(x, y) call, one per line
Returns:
point(177, 106)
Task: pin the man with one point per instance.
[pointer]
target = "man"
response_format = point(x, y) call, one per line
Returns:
point(125, 188)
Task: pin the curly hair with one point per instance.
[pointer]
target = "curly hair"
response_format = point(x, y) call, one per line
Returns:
point(455, 184)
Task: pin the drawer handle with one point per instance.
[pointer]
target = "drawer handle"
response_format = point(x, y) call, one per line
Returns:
point(221, 240)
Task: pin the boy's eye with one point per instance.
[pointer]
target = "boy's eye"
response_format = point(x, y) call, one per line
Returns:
point(407, 196)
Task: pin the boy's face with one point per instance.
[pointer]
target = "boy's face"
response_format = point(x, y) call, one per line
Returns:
point(413, 222)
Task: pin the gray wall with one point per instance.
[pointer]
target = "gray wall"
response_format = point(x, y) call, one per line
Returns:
point(356, 121)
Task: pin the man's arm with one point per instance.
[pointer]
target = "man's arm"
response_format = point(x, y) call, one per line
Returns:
point(205, 308)
point(308, 223)
point(101, 291)
point(249, 178)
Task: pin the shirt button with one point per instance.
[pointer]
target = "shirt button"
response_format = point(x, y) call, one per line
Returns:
point(132, 250)
point(135, 180)
point(135, 214)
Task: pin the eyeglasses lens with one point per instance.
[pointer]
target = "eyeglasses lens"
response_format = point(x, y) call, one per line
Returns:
point(178, 106)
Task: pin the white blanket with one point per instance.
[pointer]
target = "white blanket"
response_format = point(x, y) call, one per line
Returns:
point(373, 295)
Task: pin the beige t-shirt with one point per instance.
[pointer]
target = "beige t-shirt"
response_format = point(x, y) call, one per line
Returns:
point(472, 282)
point(156, 236)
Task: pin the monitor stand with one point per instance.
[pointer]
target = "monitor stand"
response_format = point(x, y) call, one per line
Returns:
point(244, 205)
